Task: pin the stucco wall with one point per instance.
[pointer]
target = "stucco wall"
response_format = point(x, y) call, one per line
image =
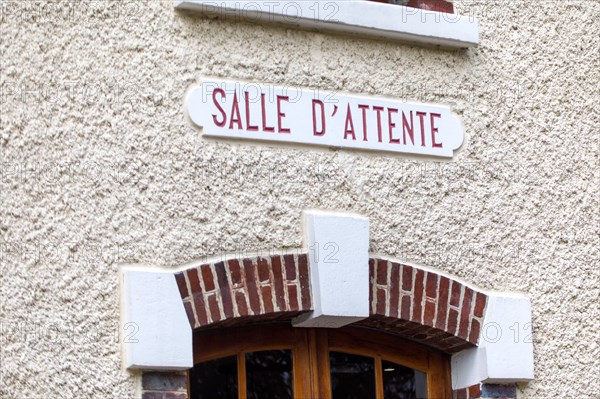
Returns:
point(99, 167)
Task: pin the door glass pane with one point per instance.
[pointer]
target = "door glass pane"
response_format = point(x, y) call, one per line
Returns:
point(352, 376)
point(269, 375)
point(401, 382)
point(216, 379)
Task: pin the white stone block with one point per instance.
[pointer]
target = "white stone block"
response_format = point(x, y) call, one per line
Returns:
point(338, 253)
point(505, 352)
point(507, 337)
point(156, 333)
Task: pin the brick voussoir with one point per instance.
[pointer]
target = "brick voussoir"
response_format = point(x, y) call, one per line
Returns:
point(303, 272)
point(182, 285)
point(441, 311)
point(278, 283)
point(237, 291)
point(405, 300)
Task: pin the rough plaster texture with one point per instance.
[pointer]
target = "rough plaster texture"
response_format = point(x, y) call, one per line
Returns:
point(112, 172)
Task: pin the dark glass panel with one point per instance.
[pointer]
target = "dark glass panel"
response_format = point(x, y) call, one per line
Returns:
point(269, 375)
point(215, 379)
point(352, 376)
point(401, 382)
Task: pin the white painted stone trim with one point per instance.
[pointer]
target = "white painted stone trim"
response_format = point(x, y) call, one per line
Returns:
point(505, 352)
point(156, 333)
point(338, 255)
point(351, 16)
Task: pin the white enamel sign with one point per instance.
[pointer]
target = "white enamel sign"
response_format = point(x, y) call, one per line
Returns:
point(265, 112)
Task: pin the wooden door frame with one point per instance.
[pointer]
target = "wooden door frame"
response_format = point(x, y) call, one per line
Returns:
point(219, 343)
point(310, 350)
point(382, 346)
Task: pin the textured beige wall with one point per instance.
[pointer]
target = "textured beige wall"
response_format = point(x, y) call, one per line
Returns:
point(99, 167)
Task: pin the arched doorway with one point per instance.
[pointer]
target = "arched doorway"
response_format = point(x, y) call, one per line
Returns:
point(429, 315)
point(279, 361)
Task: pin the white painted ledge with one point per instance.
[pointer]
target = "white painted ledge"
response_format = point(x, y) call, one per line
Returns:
point(362, 17)
point(505, 352)
point(156, 333)
point(338, 255)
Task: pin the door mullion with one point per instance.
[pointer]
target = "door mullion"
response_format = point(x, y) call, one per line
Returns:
point(322, 362)
point(302, 365)
point(311, 350)
point(241, 368)
point(378, 377)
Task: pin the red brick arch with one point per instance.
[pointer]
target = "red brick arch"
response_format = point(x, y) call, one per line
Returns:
point(415, 303)
point(424, 306)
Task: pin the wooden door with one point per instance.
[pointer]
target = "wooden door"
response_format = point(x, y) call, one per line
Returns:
point(279, 361)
